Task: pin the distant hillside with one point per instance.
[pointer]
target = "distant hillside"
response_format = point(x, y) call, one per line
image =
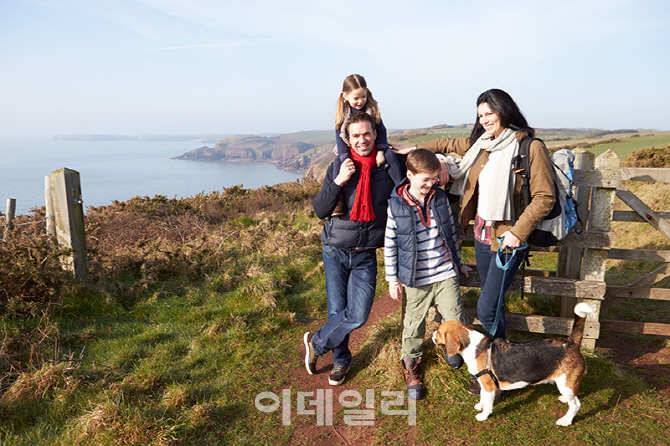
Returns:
point(312, 151)
point(198, 138)
point(291, 151)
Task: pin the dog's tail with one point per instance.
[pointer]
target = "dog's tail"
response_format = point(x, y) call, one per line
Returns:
point(581, 310)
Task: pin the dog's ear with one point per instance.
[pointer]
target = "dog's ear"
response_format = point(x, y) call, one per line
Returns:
point(439, 336)
point(453, 344)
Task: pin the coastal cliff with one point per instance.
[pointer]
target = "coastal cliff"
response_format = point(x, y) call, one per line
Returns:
point(312, 151)
point(284, 151)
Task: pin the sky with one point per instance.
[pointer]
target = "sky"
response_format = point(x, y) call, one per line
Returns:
point(128, 67)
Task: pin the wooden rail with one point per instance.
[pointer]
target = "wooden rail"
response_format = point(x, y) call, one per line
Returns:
point(580, 273)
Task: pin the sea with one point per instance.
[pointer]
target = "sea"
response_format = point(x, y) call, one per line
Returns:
point(120, 170)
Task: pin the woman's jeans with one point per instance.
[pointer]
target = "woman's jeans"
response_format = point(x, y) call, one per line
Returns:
point(351, 279)
point(491, 278)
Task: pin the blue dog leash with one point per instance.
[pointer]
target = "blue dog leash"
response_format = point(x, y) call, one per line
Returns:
point(504, 266)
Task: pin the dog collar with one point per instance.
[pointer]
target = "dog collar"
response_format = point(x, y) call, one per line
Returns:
point(473, 378)
point(487, 370)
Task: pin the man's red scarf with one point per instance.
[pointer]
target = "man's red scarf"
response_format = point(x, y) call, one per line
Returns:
point(362, 210)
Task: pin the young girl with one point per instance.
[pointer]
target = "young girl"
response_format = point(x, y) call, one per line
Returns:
point(356, 97)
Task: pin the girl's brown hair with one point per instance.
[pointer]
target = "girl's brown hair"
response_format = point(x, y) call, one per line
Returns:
point(351, 83)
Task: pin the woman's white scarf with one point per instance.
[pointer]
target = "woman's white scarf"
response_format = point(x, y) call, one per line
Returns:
point(496, 182)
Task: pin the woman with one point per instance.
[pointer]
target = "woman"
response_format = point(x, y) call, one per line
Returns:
point(490, 190)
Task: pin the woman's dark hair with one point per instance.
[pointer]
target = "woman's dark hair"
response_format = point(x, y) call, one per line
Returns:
point(504, 106)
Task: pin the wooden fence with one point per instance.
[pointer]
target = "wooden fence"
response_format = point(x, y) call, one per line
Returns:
point(64, 218)
point(581, 265)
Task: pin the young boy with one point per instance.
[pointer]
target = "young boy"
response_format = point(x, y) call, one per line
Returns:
point(421, 252)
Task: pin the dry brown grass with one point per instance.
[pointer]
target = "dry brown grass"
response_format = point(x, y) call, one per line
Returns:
point(31, 276)
point(37, 384)
point(653, 157)
point(21, 350)
point(138, 251)
point(383, 343)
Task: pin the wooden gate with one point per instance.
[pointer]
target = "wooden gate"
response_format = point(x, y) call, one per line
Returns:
point(581, 265)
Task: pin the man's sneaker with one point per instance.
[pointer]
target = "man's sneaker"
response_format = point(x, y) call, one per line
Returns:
point(338, 375)
point(310, 355)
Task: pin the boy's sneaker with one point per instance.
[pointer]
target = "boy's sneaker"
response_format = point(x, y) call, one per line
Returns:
point(310, 355)
point(338, 375)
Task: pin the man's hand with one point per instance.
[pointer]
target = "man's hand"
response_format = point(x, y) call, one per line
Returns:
point(347, 169)
point(395, 290)
point(465, 270)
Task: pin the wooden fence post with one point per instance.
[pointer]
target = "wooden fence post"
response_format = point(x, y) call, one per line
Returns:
point(600, 219)
point(570, 258)
point(69, 218)
point(9, 217)
point(49, 204)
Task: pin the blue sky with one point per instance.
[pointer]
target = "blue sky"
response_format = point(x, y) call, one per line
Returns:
point(219, 66)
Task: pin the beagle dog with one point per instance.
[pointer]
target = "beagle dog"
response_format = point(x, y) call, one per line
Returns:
point(498, 363)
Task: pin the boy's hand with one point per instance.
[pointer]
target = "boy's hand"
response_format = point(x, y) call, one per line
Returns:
point(380, 158)
point(465, 270)
point(395, 290)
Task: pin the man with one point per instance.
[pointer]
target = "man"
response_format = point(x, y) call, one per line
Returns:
point(349, 243)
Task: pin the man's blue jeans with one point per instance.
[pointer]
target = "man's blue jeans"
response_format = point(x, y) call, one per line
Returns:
point(351, 279)
point(491, 278)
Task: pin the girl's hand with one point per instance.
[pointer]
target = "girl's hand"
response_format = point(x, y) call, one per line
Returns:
point(380, 158)
point(395, 290)
point(510, 240)
point(347, 169)
point(465, 270)
point(403, 150)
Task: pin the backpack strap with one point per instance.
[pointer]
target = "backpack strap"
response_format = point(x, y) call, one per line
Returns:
point(522, 168)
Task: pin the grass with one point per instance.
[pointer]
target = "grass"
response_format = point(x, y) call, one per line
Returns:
point(626, 146)
point(194, 307)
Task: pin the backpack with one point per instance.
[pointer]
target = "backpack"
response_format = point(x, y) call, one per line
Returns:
point(563, 217)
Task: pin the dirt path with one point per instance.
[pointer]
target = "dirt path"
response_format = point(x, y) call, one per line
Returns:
point(648, 358)
point(307, 432)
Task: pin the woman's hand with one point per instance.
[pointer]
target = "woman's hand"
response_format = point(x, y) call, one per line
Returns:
point(510, 240)
point(395, 290)
point(443, 175)
point(402, 150)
